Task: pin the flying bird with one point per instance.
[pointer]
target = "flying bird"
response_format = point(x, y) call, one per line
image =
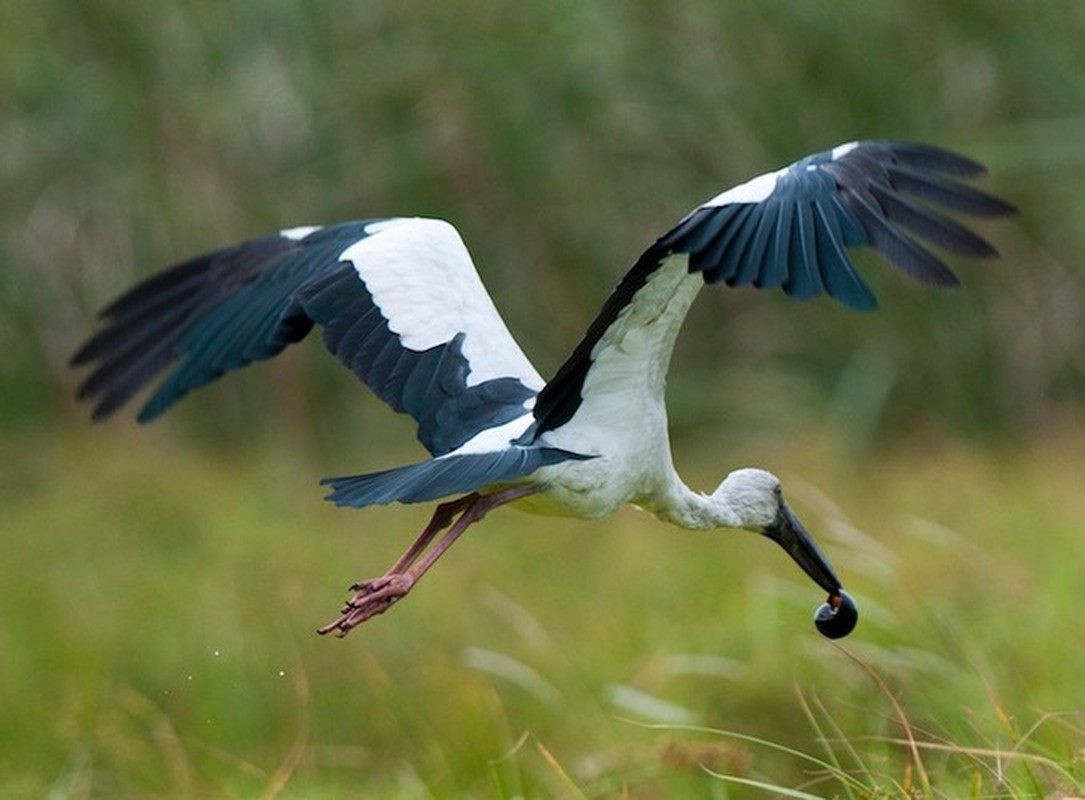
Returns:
point(402, 306)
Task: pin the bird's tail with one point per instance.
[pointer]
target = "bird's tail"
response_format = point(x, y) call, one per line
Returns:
point(445, 476)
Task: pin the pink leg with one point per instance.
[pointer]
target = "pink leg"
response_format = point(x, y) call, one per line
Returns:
point(377, 595)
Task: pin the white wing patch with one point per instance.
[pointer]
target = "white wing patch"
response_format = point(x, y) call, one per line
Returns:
point(842, 150)
point(498, 438)
point(752, 191)
point(758, 189)
point(421, 277)
point(300, 232)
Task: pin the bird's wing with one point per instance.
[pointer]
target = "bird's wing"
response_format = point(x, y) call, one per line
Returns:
point(399, 300)
point(790, 229)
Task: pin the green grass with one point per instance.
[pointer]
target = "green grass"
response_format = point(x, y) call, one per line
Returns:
point(159, 606)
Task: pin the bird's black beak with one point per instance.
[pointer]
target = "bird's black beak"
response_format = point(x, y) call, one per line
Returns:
point(790, 534)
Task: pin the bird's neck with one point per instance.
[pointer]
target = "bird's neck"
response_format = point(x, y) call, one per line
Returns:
point(692, 510)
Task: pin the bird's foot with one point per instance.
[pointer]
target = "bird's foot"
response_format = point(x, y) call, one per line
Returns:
point(371, 597)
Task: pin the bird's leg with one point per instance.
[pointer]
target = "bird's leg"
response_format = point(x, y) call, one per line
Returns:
point(442, 518)
point(376, 590)
point(377, 595)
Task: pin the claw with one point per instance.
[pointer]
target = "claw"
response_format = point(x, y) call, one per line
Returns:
point(372, 597)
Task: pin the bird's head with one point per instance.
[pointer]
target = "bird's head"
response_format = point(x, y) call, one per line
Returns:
point(755, 501)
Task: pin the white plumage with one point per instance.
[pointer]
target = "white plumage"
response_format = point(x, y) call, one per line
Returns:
point(420, 275)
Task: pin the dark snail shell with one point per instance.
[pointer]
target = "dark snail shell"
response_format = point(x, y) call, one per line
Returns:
point(837, 617)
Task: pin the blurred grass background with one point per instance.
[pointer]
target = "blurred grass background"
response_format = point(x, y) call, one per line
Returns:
point(159, 586)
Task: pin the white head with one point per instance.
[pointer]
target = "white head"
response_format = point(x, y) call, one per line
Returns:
point(753, 496)
point(752, 499)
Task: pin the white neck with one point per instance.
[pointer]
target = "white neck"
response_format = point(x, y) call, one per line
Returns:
point(681, 506)
point(747, 498)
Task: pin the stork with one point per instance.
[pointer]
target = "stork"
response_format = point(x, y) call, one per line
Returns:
point(402, 306)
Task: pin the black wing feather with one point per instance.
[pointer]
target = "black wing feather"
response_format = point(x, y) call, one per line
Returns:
point(145, 326)
point(223, 310)
point(791, 229)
